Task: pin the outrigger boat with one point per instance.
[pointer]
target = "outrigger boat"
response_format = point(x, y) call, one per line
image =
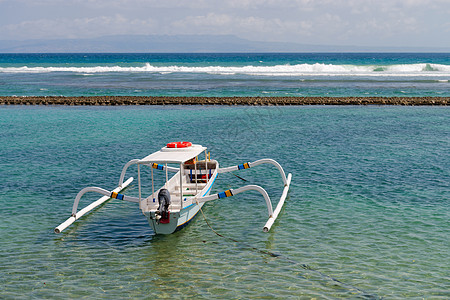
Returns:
point(176, 203)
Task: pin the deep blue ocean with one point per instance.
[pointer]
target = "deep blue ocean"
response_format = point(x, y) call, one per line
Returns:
point(216, 74)
point(367, 215)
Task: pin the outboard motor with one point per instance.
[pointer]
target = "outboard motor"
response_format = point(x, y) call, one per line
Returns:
point(164, 202)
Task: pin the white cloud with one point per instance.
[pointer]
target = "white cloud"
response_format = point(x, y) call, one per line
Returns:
point(306, 21)
point(254, 28)
point(78, 27)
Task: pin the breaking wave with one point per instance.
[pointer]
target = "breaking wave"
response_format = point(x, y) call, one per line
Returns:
point(317, 69)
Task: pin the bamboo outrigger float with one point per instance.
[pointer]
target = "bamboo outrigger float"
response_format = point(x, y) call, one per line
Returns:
point(175, 204)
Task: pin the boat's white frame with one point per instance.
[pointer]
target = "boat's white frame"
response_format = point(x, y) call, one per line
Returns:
point(198, 200)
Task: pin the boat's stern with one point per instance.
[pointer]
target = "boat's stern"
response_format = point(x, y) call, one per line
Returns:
point(163, 226)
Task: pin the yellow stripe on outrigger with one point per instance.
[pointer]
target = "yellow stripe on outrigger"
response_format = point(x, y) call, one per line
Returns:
point(244, 166)
point(225, 194)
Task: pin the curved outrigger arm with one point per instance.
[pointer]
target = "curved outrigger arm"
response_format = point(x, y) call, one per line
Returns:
point(124, 170)
point(254, 164)
point(232, 192)
point(110, 194)
point(154, 166)
point(106, 196)
point(272, 214)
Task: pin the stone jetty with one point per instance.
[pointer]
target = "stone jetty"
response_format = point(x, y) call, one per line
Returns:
point(260, 101)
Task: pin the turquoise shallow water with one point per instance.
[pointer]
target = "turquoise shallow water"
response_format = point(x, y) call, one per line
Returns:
point(367, 214)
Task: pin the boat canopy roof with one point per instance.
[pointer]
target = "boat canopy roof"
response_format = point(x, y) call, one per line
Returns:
point(173, 155)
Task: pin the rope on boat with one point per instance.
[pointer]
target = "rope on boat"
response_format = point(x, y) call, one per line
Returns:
point(303, 266)
point(239, 177)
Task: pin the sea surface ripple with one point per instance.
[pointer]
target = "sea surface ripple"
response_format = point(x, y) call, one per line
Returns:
point(366, 217)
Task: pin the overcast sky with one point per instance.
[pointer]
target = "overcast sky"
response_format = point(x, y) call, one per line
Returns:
point(408, 23)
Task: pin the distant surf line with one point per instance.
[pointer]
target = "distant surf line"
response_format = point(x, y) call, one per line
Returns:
point(316, 69)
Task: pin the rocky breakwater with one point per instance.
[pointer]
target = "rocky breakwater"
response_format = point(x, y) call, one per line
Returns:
point(261, 101)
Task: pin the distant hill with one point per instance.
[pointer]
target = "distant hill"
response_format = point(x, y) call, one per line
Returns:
point(180, 44)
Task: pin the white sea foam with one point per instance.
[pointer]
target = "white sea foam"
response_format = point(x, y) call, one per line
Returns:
point(317, 69)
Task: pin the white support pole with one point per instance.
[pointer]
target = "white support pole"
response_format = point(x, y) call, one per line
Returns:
point(139, 185)
point(196, 181)
point(153, 187)
point(167, 175)
point(206, 166)
point(181, 185)
point(76, 215)
point(280, 204)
